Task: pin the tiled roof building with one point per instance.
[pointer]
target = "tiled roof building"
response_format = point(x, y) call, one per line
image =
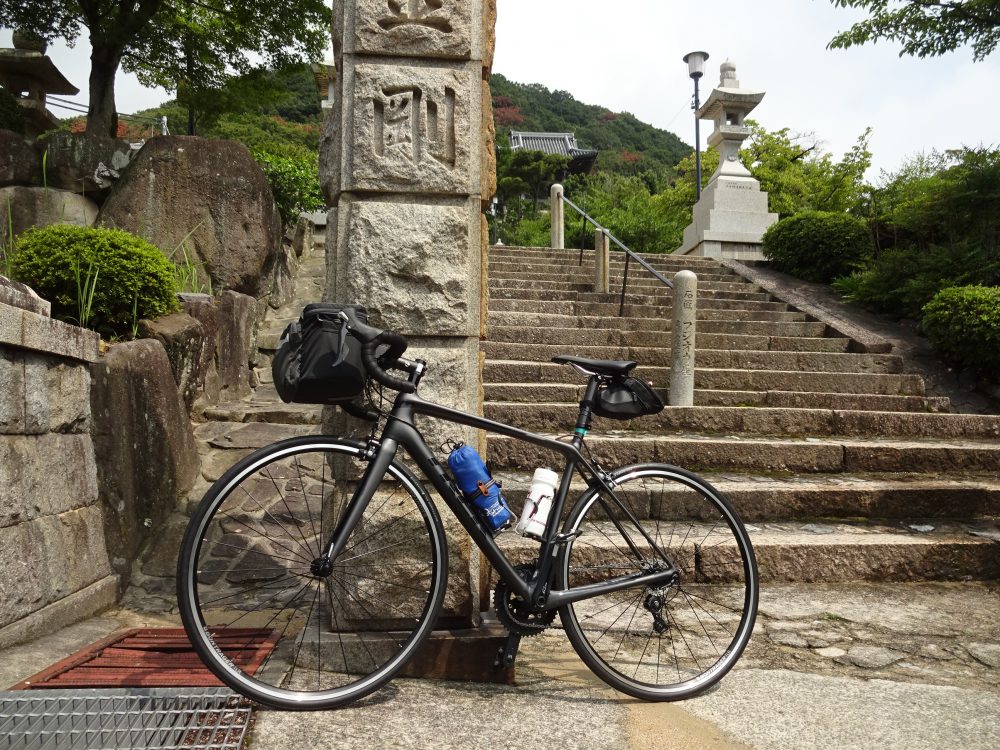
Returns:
point(581, 159)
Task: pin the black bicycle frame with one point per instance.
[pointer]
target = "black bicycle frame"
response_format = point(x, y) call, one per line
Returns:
point(400, 430)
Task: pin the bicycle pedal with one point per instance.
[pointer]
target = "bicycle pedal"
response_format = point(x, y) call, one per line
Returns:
point(507, 654)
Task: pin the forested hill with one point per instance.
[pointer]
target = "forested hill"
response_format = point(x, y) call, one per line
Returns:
point(625, 143)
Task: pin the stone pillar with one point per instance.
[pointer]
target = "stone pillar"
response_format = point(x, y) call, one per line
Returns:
point(602, 261)
point(407, 165)
point(682, 345)
point(557, 231)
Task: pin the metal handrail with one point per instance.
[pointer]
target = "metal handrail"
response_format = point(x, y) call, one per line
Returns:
point(628, 255)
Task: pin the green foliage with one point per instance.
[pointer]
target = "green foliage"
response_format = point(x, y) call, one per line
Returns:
point(188, 46)
point(102, 277)
point(294, 181)
point(11, 113)
point(619, 137)
point(937, 224)
point(926, 29)
point(799, 177)
point(963, 324)
point(818, 245)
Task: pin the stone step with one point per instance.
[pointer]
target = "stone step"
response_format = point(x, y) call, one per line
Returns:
point(737, 420)
point(706, 358)
point(247, 435)
point(758, 498)
point(635, 286)
point(585, 275)
point(274, 413)
point(570, 256)
point(838, 552)
point(724, 379)
point(571, 393)
point(593, 322)
point(765, 454)
point(654, 297)
point(707, 308)
point(718, 341)
point(612, 335)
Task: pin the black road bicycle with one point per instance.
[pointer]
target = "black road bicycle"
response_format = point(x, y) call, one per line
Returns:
point(315, 567)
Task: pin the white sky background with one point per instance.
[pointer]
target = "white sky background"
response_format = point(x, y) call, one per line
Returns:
point(626, 55)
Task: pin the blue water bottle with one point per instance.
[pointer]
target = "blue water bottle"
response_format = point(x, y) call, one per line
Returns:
point(479, 487)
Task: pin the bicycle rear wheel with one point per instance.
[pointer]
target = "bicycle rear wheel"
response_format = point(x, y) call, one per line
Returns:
point(276, 621)
point(673, 641)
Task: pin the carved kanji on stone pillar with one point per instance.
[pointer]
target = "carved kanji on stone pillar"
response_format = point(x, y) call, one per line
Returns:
point(416, 13)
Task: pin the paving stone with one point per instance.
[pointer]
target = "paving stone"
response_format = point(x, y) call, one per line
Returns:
point(831, 652)
point(870, 657)
point(985, 653)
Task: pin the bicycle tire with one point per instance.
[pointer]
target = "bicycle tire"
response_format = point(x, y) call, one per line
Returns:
point(706, 616)
point(247, 576)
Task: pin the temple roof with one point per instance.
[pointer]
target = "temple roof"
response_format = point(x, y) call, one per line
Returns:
point(19, 66)
point(581, 159)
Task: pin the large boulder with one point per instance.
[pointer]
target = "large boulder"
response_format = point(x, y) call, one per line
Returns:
point(188, 349)
point(82, 162)
point(147, 459)
point(41, 207)
point(18, 162)
point(209, 195)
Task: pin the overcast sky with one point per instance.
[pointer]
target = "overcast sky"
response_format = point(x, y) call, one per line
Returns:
point(626, 55)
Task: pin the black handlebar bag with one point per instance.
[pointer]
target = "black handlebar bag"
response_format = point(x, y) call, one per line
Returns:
point(317, 362)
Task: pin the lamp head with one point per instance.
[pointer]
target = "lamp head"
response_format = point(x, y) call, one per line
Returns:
point(696, 64)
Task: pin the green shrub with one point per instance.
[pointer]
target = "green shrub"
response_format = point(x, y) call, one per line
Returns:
point(294, 181)
point(901, 281)
point(11, 113)
point(127, 277)
point(818, 245)
point(963, 324)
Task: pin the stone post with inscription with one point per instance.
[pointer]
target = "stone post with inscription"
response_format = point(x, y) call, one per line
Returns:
point(556, 221)
point(682, 340)
point(602, 261)
point(732, 215)
point(407, 165)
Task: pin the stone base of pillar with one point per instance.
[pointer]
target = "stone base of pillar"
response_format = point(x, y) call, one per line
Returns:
point(722, 249)
point(462, 655)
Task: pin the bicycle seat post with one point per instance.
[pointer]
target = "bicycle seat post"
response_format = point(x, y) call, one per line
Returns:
point(583, 421)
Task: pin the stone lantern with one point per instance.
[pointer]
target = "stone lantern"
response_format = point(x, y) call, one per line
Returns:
point(731, 216)
point(29, 75)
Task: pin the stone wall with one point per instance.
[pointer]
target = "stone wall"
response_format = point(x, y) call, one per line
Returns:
point(54, 566)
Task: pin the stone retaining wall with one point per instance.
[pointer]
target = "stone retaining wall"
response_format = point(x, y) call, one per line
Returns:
point(54, 565)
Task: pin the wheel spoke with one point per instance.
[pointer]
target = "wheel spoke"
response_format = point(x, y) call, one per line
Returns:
point(255, 565)
point(705, 612)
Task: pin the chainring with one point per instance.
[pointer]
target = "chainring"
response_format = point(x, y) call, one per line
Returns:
point(515, 613)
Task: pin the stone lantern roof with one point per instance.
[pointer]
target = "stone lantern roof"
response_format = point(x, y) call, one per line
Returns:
point(30, 76)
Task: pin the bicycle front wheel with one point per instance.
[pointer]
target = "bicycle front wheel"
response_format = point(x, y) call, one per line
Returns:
point(273, 618)
point(675, 640)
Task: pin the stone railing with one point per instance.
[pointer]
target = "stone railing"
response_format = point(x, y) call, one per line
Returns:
point(54, 566)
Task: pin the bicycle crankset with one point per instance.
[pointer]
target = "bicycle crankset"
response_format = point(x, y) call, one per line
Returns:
point(514, 611)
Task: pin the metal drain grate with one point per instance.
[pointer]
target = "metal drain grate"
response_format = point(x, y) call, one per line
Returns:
point(124, 719)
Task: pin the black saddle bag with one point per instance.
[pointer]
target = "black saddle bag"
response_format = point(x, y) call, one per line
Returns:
point(627, 398)
point(317, 362)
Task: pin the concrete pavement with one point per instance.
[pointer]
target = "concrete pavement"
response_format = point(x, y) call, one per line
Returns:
point(831, 666)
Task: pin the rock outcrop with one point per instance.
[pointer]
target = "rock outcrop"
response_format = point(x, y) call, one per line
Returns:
point(84, 163)
point(210, 195)
point(18, 162)
point(40, 207)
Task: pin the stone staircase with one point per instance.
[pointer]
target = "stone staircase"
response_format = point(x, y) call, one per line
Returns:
point(839, 462)
point(232, 430)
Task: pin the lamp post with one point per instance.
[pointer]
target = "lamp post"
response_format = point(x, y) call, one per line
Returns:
point(696, 69)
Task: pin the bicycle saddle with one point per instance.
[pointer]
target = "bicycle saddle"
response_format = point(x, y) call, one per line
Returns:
point(596, 366)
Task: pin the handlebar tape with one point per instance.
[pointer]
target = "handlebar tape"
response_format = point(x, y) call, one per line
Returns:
point(397, 345)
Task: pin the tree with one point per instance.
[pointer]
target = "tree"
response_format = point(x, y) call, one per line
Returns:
point(188, 46)
point(925, 27)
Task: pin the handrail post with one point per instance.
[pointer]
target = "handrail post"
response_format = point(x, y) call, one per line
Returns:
point(602, 262)
point(685, 300)
point(557, 229)
point(621, 307)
